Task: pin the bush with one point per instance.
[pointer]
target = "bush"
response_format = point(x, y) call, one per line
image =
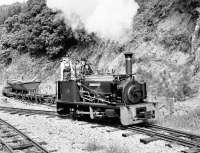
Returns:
point(177, 84)
point(114, 148)
point(180, 42)
point(188, 121)
point(41, 32)
point(93, 146)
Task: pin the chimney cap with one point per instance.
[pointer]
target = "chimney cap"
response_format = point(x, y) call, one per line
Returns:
point(128, 55)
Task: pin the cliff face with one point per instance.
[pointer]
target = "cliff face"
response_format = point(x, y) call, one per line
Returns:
point(164, 40)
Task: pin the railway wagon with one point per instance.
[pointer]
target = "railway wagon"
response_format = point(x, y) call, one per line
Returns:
point(26, 91)
point(15, 87)
point(106, 96)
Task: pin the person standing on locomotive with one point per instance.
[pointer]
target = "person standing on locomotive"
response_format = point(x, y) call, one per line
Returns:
point(85, 67)
point(67, 71)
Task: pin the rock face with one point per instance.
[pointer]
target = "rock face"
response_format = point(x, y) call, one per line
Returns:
point(196, 45)
point(165, 41)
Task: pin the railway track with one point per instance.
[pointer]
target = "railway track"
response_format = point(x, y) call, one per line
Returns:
point(156, 132)
point(167, 134)
point(28, 112)
point(22, 100)
point(13, 140)
point(176, 132)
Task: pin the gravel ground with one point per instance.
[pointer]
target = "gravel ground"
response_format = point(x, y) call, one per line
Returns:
point(66, 135)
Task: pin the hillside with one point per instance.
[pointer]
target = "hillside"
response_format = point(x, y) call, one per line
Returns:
point(164, 38)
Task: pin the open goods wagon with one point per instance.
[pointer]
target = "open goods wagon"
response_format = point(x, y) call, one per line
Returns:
point(27, 91)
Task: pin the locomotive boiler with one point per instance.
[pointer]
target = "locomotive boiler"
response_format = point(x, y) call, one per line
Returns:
point(102, 96)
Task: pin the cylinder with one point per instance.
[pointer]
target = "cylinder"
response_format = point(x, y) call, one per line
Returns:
point(128, 58)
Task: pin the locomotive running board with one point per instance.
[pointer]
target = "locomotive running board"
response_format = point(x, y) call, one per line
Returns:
point(102, 105)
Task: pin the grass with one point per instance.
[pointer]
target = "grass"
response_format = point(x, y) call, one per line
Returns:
point(178, 116)
point(93, 146)
point(189, 121)
point(116, 149)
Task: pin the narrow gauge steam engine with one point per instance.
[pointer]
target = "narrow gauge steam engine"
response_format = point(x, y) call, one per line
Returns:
point(119, 96)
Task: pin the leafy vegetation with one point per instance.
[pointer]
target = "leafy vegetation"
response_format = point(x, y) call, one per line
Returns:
point(179, 42)
point(188, 121)
point(39, 30)
point(178, 85)
point(116, 148)
point(10, 10)
point(93, 145)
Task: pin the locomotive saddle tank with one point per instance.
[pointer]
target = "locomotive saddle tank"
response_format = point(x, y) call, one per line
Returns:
point(101, 96)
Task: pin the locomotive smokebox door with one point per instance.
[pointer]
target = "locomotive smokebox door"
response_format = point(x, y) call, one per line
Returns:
point(67, 91)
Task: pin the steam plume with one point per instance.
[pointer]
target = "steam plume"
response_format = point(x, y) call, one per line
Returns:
point(110, 19)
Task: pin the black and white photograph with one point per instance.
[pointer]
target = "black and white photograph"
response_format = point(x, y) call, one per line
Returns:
point(99, 76)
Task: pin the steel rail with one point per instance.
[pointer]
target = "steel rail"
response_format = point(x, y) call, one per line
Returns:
point(165, 137)
point(29, 98)
point(6, 146)
point(32, 112)
point(28, 110)
point(178, 132)
point(37, 145)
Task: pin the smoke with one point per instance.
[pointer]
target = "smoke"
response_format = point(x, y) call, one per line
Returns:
point(110, 19)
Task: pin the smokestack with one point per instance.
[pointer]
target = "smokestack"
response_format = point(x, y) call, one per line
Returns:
point(128, 58)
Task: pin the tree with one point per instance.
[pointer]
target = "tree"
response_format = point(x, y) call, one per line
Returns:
point(38, 30)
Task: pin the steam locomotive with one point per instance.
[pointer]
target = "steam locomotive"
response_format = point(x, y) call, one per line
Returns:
point(102, 96)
